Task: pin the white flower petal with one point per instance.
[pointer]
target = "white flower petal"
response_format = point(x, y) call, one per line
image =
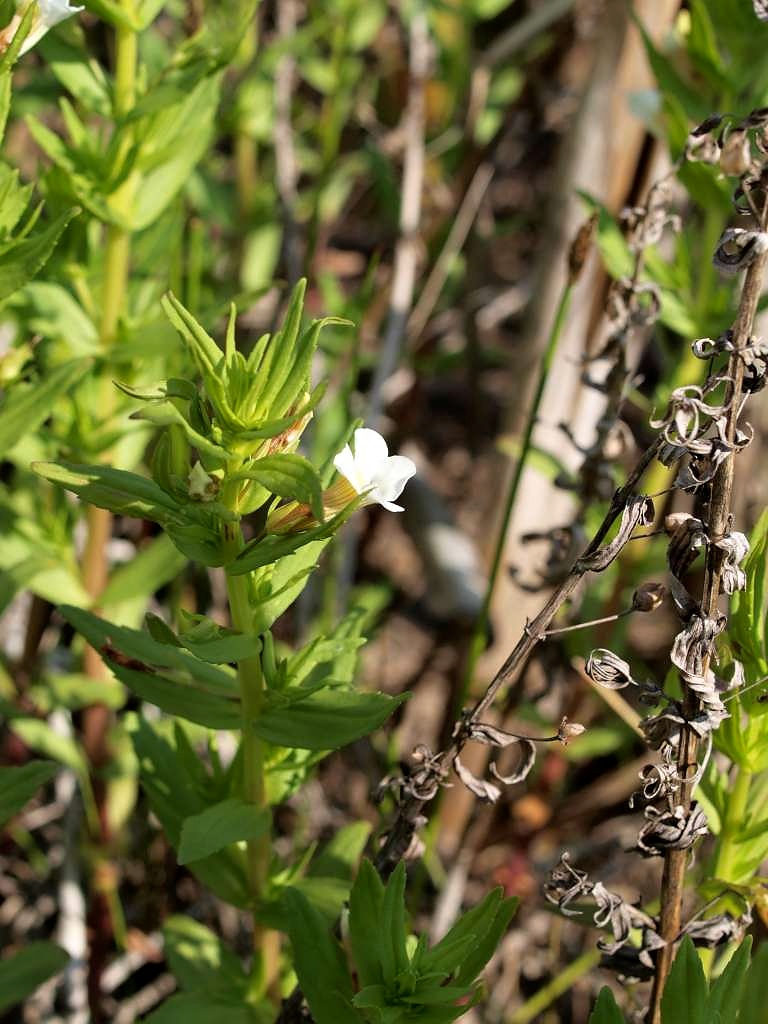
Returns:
point(370, 450)
point(345, 464)
point(392, 477)
point(390, 506)
point(54, 11)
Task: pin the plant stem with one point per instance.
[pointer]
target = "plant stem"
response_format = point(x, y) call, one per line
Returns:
point(673, 879)
point(477, 641)
point(105, 914)
point(258, 851)
point(539, 1002)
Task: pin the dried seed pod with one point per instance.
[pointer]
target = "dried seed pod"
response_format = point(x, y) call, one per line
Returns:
point(580, 248)
point(569, 731)
point(736, 155)
point(648, 597)
point(609, 670)
point(737, 248)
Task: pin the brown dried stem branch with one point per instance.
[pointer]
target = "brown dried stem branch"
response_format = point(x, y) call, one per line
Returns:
point(400, 835)
point(673, 879)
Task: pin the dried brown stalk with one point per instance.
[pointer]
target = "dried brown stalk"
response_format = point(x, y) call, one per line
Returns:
point(401, 835)
point(673, 879)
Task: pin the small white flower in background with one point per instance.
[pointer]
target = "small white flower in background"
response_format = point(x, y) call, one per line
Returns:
point(49, 13)
point(371, 471)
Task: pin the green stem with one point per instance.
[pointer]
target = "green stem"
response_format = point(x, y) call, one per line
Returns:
point(477, 641)
point(555, 988)
point(251, 681)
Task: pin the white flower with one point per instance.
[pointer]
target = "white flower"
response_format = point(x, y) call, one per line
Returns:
point(372, 471)
point(49, 13)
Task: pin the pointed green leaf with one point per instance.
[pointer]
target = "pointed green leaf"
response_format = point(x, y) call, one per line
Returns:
point(725, 994)
point(320, 964)
point(289, 476)
point(685, 993)
point(755, 996)
point(23, 260)
point(326, 720)
point(27, 406)
point(606, 1010)
point(230, 821)
point(19, 785)
point(365, 908)
point(24, 972)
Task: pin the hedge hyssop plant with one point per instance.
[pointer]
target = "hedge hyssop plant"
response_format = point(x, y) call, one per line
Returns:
point(225, 453)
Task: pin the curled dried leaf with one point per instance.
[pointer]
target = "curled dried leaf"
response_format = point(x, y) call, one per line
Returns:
point(609, 670)
point(671, 829)
point(639, 511)
point(483, 790)
point(527, 761)
point(737, 248)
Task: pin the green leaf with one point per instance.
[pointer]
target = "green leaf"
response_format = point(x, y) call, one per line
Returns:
point(230, 821)
point(394, 935)
point(179, 136)
point(199, 1008)
point(273, 547)
point(82, 76)
point(613, 246)
point(23, 973)
point(200, 961)
point(288, 476)
point(488, 941)
point(180, 699)
point(140, 646)
point(28, 405)
point(277, 586)
point(725, 994)
point(18, 785)
point(320, 964)
point(21, 261)
point(755, 997)
point(326, 720)
point(685, 993)
point(114, 489)
point(177, 787)
point(39, 736)
point(606, 1010)
point(365, 908)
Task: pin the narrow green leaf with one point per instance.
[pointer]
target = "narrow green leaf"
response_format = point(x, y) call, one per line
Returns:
point(606, 1010)
point(288, 476)
point(28, 405)
point(200, 1008)
point(394, 955)
point(272, 547)
point(114, 489)
point(487, 943)
point(685, 993)
point(19, 785)
point(182, 700)
point(365, 909)
point(755, 996)
point(725, 994)
point(199, 959)
point(23, 973)
point(23, 260)
point(326, 720)
point(230, 821)
point(319, 963)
